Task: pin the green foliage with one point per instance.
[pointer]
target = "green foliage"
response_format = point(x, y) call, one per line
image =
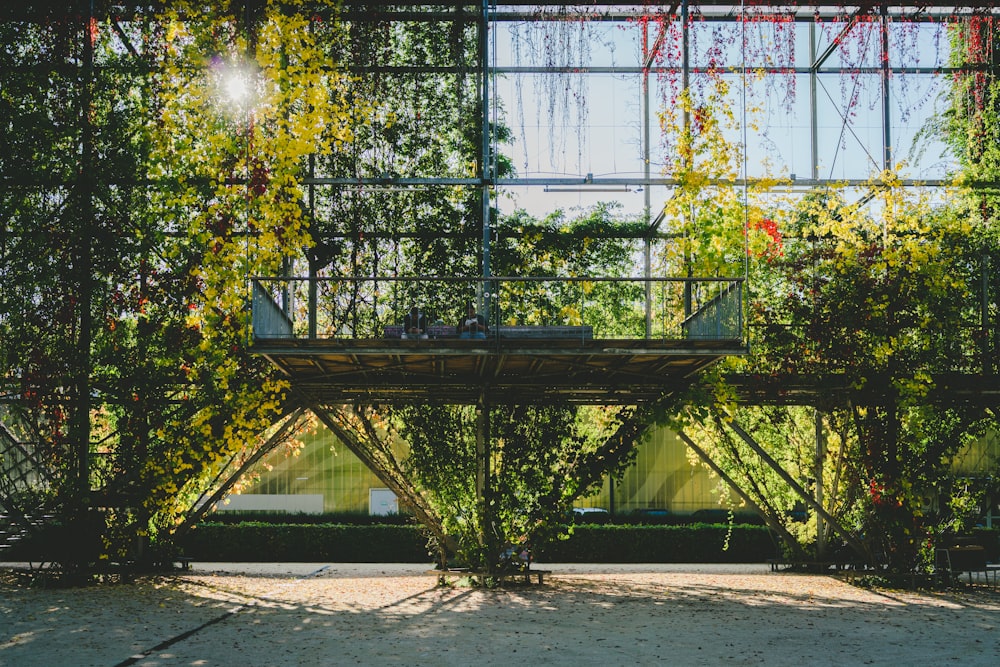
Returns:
point(882, 300)
point(542, 459)
point(268, 542)
point(696, 543)
point(74, 241)
point(136, 204)
point(417, 126)
point(707, 215)
point(596, 243)
point(427, 127)
point(873, 303)
point(126, 243)
point(228, 173)
point(874, 306)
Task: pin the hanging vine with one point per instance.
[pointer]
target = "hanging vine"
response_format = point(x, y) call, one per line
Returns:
point(229, 172)
point(562, 46)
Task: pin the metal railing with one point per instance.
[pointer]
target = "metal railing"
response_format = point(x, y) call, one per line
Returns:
point(611, 308)
point(718, 317)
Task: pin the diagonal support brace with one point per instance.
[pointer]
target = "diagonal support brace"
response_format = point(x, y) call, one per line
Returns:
point(771, 522)
point(853, 541)
point(277, 438)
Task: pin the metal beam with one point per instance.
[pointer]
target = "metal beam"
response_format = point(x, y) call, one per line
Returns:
point(772, 522)
point(207, 504)
point(848, 536)
point(391, 477)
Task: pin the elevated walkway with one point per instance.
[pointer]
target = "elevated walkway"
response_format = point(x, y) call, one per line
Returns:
point(515, 364)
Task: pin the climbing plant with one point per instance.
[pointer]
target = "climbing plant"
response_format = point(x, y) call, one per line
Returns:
point(874, 297)
point(187, 147)
point(244, 103)
point(74, 234)
point(542, 457)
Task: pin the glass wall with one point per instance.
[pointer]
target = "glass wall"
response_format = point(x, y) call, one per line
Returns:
point(664, 476)
point(323, 466)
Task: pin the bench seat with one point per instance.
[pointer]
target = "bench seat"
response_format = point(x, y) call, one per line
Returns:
point(954, 561)
point(433, 331)
point(583, 332)
point(808, 565)
point(526, 574)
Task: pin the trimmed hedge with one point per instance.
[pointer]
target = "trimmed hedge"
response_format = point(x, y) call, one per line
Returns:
point(335, 518)
point(693, 543)
point(268, 542)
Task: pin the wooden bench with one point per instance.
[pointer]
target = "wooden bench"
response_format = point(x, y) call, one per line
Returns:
point(807, 565)
point(777, 563)
point(954, 561)
point(433, 331)
point(525, 574)
point(517, 332)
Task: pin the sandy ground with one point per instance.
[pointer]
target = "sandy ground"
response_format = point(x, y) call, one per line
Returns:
point(386, 614)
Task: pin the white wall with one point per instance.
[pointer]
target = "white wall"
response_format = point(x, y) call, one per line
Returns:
point(382, 502)
point(306, 503)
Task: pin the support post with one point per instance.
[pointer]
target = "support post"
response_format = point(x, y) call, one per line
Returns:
point(853, 541)
point(79, 424)
point(648, 56)
point(686, 127)
point(487, 170)
point(771, 522)
point(813, 122)
point(313, 301)
point(312, 305)
point(818, 491)
point(484, 484)
point(886, 72)
point(986, 349)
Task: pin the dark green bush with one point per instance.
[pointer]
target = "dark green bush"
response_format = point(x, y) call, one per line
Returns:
point(267, 542)
point(693, 543)
point(270, 542)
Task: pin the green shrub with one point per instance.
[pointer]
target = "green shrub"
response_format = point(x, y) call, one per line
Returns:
point(268, 542)
point(693, 543)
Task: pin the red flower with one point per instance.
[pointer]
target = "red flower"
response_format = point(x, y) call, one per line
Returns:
point(775, 246)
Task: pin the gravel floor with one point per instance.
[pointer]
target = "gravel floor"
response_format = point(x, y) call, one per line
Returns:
point(391, 614)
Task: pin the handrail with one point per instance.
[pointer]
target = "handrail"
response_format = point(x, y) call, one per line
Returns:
point(468, 279)
point(361, 307)
point(720, 317)
point(269, 319)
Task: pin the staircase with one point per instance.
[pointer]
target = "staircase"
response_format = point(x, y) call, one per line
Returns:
point(14, 529)
point(23, 483)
